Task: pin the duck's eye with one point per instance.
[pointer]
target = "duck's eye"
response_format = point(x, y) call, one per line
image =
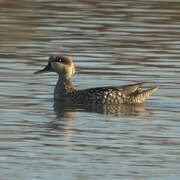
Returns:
point(59, 59)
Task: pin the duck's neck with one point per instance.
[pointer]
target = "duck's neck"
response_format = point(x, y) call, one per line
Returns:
point(63, 87)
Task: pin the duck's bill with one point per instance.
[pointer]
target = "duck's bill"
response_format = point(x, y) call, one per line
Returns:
point(46, 69)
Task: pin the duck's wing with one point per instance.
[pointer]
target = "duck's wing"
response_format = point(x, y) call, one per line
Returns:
point(130, 94)
point(127, 89)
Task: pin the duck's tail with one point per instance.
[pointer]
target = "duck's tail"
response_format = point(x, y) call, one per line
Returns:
point(139, 97)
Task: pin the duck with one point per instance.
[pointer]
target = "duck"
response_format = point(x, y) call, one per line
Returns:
point(113, 95)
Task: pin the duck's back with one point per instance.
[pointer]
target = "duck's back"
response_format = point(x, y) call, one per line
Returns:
point(98, 96)
point(130, 94)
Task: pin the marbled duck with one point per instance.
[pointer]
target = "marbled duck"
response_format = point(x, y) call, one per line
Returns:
point(65, 91)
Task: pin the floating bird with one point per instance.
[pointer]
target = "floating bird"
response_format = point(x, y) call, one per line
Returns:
point(66, 92)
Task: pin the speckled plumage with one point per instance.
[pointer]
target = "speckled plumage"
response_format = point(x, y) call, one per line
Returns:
point(65, 91)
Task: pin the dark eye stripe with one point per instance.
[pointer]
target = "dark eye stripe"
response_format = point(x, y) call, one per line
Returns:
point(59, 59)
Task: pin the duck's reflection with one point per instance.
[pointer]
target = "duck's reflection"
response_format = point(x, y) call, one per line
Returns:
point(64, 110)
point(65, 117)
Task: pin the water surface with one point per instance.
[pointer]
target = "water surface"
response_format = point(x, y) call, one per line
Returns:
point(111, 43)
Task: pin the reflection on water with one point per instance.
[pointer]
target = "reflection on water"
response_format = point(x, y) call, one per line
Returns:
point(64, 110)
point(112, 43)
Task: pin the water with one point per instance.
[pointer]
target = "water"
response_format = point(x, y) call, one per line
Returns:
point(111, 43)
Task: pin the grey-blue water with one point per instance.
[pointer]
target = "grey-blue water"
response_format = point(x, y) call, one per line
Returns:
point(112, 43)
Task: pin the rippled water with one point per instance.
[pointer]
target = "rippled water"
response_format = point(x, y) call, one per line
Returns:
point(111, 43)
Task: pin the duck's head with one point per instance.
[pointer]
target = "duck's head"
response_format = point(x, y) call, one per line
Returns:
point(63, 65)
